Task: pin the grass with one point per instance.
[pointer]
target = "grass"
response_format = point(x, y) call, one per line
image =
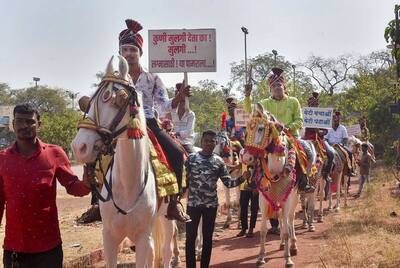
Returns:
point(365, 235)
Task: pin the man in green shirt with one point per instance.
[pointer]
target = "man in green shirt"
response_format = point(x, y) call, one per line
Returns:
point(287, 111)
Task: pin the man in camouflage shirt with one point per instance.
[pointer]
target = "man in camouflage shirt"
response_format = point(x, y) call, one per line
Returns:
point(203, 170)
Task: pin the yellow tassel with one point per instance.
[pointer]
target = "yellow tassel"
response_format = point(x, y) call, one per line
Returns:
point(134, 131)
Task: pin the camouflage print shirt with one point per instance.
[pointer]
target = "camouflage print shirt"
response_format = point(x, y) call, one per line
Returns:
point(203, 173)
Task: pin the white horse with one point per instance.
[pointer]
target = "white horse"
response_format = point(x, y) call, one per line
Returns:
point(225, 149)
point(133, 210)
point(260, 135)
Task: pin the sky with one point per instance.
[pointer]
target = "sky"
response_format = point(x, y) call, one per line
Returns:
point(66, 43)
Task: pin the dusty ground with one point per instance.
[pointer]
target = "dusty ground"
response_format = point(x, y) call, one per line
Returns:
point(228, 251)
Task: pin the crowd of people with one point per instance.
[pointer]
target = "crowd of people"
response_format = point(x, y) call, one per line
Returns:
point(30, 168)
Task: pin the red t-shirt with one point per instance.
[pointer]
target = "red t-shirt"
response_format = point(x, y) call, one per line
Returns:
point(28, 191)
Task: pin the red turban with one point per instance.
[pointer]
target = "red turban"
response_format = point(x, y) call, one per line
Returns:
point(277, 75)
point(131, 35)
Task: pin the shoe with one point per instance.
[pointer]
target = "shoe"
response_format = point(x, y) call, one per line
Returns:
point(175, 211)
point(250, 233)
point(274, 231)
point(241, 233)
point(91, 215)
point(309, 189)
point(352, 174)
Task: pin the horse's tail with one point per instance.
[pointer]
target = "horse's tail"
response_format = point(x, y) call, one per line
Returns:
point(158, 238)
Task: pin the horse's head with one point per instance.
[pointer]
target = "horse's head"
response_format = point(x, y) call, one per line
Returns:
point(223, 146)
point(107, 113)
point(262, 137)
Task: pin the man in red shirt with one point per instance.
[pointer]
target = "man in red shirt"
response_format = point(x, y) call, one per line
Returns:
point(28, 173)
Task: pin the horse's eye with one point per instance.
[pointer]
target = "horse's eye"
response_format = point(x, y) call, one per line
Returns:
point(107, 95)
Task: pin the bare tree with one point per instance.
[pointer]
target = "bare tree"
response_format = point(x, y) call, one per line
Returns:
point(331, 72)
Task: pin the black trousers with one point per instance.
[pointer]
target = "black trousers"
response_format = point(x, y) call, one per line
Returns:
point(208, 215)
point(172, 151)
point(245, 198)
point(52, 258)
point(274, 223)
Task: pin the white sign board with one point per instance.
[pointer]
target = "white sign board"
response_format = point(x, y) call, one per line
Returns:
point(241, 117)
point(178, 51)
point(6, 115)
point(315, 117)
point(353, 130)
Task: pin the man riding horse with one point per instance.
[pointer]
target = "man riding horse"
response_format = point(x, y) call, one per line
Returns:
point(287, 112)
point(154, 92)
point(317, 136)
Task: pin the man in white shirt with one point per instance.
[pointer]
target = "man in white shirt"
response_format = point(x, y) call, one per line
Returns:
point(183, 120)
point(338, 135)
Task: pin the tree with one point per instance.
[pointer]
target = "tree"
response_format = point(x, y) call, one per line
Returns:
point(45, 99)
point(5, 94)
point(330, 73)
point(59, 129)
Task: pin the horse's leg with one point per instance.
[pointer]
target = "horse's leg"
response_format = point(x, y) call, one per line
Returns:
point(292, 203)
point(311, 207)
point(339, 185)
point(111, 242)
point(285, 234)
point(239, 208)
point(321, 198)
point(263, 231)
point(168, 227)
point(228, 205)
point(346, 190)
point(176, 256)
point(304, 208)
point(145, 251)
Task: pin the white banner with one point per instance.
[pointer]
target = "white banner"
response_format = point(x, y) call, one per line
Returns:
point(353, 130)
point(241, 117)
point(315, 117)
point(177, 51)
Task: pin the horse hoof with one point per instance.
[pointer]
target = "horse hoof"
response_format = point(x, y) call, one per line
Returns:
point(293, 252)
point(198, 258)
point(304, 226)
point(311, 228)
point(337, 209)
point(289, 265)
point(260, 262)
point(281, 247)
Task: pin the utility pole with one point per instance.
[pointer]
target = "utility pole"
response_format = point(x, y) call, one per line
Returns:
point(275, 54)
point(36, 80)
point(246, 32)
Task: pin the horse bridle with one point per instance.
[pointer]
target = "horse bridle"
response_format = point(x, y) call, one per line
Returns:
point(110, 133)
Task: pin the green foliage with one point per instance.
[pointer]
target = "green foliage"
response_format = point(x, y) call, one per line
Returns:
point(207, 102)
point(59, 128)
point(5, 94)
point(45, 99)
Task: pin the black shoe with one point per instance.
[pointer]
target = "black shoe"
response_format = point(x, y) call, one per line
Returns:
point(241, 233)
point(309, 189)
point(250, 233)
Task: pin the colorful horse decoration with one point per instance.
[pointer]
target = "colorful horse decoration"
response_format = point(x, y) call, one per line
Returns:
point(115, 125)
point(270, 158)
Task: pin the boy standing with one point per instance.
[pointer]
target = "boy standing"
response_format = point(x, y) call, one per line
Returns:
point(203, 170)
point(365, 165)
